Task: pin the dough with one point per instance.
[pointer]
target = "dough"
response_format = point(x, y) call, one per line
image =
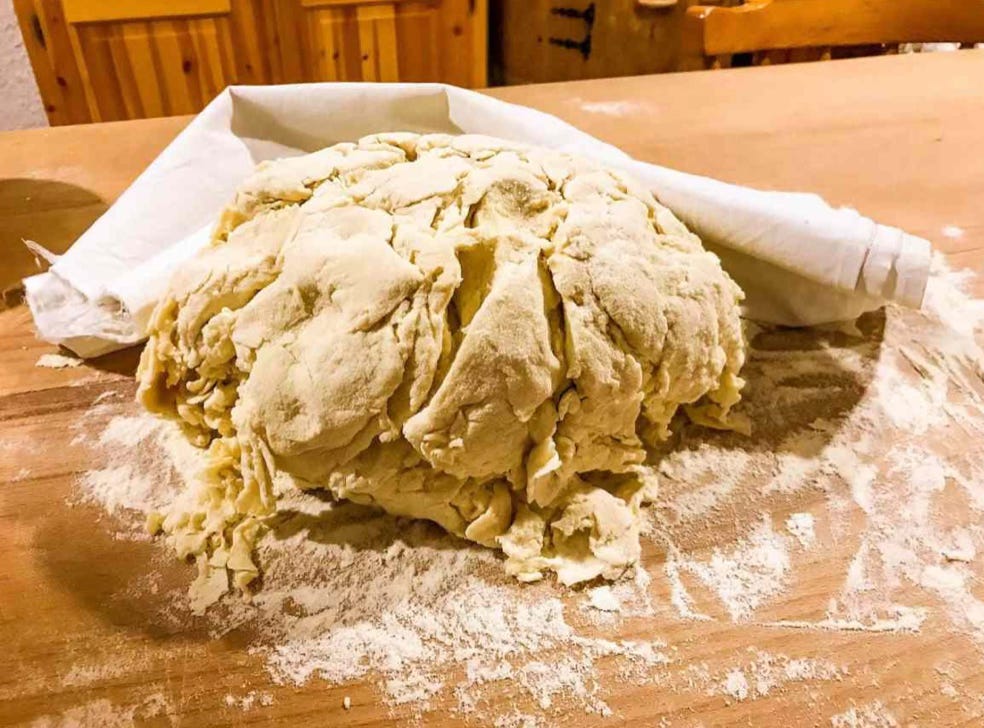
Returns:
point(457, 328)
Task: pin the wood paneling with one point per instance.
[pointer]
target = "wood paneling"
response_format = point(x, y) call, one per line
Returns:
point(377, 41)
point(98, 11)
point(538, 41)
point(396, 41)
point(160, 68)
point(783, 24)
point(98, 61)
point(49, 46)
point(418, 61)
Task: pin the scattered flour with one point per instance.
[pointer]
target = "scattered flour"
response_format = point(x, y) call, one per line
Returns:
point(354, 591)
point(106, 714)
point(517, 720)
point(603, 599)
point(749, 574)
point(609, 108)
point(736, 685)
point(850, 426)
point(800, 526)
point(82, 674)
point(250, 700)
point(766, 673)
point(871, 715)
point(147, 462)
point(57, 361)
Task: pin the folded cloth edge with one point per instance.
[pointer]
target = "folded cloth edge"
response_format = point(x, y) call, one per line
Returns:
point(893, 265)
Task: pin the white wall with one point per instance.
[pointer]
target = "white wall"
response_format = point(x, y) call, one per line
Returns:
point(20, 103)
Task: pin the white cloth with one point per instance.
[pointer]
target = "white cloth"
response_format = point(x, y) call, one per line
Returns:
point(799, 261)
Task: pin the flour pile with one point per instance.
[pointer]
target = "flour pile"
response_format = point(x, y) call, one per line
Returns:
point(460, 329)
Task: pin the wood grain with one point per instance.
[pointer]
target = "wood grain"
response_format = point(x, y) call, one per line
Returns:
point(783, 24)
point(99, 11)
point(851, 130)
point(49, 43)
point(627, 39)
point(112, 61)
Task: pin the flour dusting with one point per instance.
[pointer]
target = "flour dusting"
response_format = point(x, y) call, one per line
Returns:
point(800, 527)
point(747, 575)
point(57, 361)
point(860, 454)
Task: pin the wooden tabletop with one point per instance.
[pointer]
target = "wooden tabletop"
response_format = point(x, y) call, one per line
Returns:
point(900, 138)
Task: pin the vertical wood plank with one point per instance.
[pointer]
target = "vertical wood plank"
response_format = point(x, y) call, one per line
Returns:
point(190, 64)
point(288, 16)
point(227, 56)
point(347, 37)
point(324, 47)
point(266, 20)
point(456, 43)
point(53, 61)
point(68, 73)
point(165, 40)
point(82, 62)
point(478, 13)
point(160, 75)
point(124, 72)
point(369, 66)
point(44, 72)
point(251, 64)
point(205, 43)
point(136, 41)
point(94, 48)
point(417, 32)
point(385, 41)
point(332, 47)
point(213, 50)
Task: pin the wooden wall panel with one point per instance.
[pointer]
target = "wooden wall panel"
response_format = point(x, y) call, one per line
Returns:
point(251, 62)
point(539, 41)
point(101, 11)
point(420, 60)
point(333, 45)
point(139, 52)
point(102, 61)
point(377, 41)
point(397, 41)
point(92, 44)
point(156, 68)
point(462, 42)
point(49, 47)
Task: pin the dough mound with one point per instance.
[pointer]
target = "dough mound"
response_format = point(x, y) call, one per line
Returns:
point(457, 328)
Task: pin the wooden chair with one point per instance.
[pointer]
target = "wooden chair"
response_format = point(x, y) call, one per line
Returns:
point(782, 30)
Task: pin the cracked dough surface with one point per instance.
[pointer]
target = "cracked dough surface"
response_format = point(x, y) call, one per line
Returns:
point(456, 328)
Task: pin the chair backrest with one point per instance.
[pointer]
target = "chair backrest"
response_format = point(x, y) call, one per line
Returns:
point(785, 24)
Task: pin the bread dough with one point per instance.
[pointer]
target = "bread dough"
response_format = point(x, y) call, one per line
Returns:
point(457, 328)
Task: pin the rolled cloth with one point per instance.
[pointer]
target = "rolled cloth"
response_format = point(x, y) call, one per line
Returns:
point(799, 261)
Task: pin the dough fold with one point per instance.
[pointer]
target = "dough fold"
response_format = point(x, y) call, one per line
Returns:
point(463, 329)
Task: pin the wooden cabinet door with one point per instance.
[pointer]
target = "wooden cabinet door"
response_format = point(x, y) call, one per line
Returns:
point(127, 59)
point(356, 40)
point(141, 58)
point(101, 61)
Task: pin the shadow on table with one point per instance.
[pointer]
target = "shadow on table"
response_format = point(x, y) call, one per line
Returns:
point(54, 214)
point(802, 386)
point(125, 582)
point(796, 379)
point(118, 362)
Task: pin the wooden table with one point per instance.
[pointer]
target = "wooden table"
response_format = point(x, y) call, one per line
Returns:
point(900, 138)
